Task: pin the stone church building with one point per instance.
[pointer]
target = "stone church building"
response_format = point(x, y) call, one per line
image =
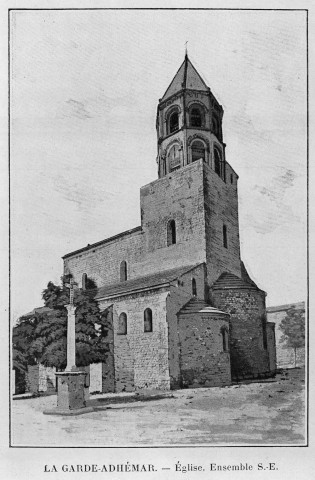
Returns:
point(183, 309)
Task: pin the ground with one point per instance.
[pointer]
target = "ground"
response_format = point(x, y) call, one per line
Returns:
point(269, 412)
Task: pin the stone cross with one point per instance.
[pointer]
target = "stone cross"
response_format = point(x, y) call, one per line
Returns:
point(71, 330)
point(186, 46)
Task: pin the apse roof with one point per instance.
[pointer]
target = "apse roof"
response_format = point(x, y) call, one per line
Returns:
point(186, 77)
point(146, 282)
point(228, 280)
point(196, 305)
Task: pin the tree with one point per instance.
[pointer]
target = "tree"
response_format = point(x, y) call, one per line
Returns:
point(49, 345)
point(293, 328)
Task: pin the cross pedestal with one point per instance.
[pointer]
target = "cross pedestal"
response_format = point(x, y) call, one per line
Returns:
point(71, 397)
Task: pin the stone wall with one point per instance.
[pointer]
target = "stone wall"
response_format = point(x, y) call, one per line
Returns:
point(102, 263)
point(203, 362)
point(272, 346)
point(285, 356)
point(40, 379)
point(180, 294)
point(177, 196)
point(221, 208)
point(141, 358)
point(246, 307)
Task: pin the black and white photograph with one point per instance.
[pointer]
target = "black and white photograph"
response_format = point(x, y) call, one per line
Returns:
point(158, 267)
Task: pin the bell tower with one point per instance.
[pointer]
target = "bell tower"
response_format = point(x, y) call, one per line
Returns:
point(189, 124)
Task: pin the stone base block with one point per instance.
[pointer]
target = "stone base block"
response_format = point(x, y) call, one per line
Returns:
point(71, 398)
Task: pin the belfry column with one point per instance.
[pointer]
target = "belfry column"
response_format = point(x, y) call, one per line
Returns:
point(72, 385)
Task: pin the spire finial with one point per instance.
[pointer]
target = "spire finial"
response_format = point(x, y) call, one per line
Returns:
point(186, 51)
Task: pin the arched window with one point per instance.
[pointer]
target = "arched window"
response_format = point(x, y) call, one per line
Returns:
point(215, 125)
point(123, 271)
point(173, 122)
point(224, 231)
point(173, 158)
point(194, 287)
point(84, 280)
point(198, 151)
point(196, 117)
point(171, 232)
point(217, 161)
point(122, 324)
point(148, 320)
point(225, 339)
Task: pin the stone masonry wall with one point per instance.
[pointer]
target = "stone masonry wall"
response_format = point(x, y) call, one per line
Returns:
point(141, 358)
point(272, 346)
point(40, 379)
point(221, 208)
point(202, 359)
point(249, 358)
point(180, 294)
point(177, 196)
point(102, 263)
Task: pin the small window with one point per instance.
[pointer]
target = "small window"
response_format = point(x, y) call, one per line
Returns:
point(215, 126)
point(198, 151)
point(173, 158)
point(231, 177)
point(225, 243)
point(84, 280)
point(225, 339)
point(171, 233)
point(122, 324)
point(148, 320)
point(123, 271)
point(195, 117)
point(217, 162)
point(173, 122)
point(194, 287)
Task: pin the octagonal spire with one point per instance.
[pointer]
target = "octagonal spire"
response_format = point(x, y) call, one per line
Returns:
point(186, 77)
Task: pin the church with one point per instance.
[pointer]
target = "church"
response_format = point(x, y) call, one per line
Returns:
point(183, 310)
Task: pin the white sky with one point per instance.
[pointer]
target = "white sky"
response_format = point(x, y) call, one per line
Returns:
point(84, 92)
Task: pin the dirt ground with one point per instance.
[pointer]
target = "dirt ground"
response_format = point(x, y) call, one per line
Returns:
point(270, 412)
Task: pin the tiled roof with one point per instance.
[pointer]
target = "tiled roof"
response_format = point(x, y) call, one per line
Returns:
point(186, 77)
point(228, 281)
point(142, 283)
point(196, 305)
point(38, 310)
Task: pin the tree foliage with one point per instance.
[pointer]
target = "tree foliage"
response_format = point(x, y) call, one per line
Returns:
point(293, 329)
point(46, 342)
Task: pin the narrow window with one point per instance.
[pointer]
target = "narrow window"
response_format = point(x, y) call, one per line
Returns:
point(215, 126)
point(148, 320)
point(173, 158)
point(198, 151)
point(122, 324)
point(123, 271)
point(194, 287)
point(217, 162)
point(171, 232)
point(195, 117)
point(224, 334)
point(231, 177)
point(84, 279)
point(173, 122)
point(225, 244)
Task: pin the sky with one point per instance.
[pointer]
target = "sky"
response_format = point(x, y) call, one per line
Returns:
point(84, 88)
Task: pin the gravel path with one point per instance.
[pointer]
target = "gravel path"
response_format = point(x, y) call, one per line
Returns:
point(259, 413)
